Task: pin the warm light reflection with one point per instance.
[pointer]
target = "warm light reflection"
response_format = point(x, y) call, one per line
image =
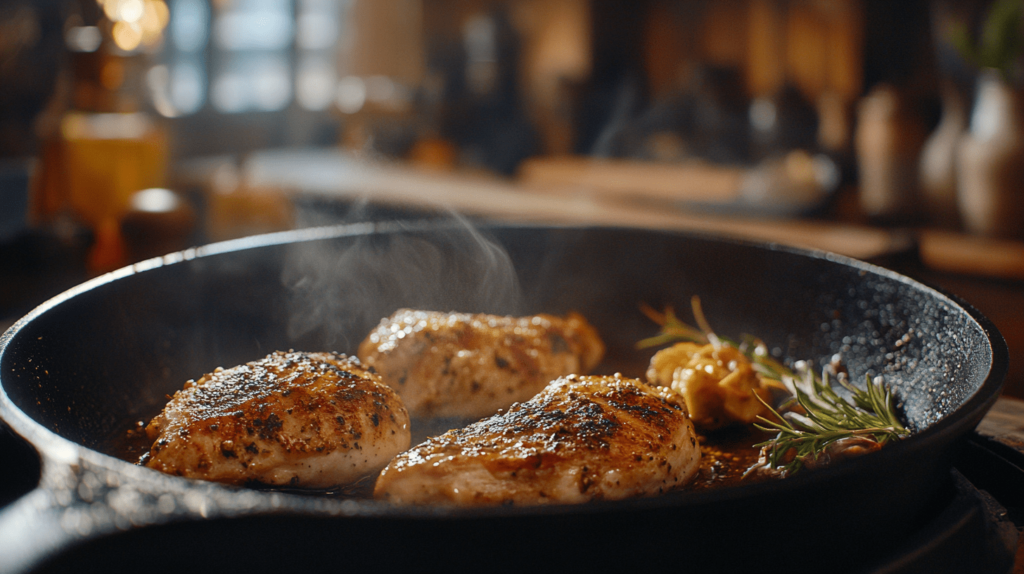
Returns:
point(136, 22)
point(159, 11)
point(152, 30)
point(111, 9)
point(127, 35)
point(128, 10)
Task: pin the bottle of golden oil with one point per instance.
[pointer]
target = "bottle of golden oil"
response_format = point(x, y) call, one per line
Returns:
point(106, 145)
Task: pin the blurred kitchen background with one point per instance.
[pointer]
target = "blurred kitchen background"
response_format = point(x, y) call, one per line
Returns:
point(888, 131)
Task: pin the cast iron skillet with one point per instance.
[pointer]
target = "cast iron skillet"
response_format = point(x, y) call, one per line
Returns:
point(81, 367)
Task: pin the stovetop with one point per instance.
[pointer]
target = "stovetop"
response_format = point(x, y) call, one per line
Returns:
point(975, 526)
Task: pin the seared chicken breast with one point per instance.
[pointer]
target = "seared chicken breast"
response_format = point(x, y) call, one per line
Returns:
point(313, 420)
point(581, 438)
point(463, 365)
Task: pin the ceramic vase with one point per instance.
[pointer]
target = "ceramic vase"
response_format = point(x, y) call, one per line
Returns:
point(938, 161)
point(990, 162)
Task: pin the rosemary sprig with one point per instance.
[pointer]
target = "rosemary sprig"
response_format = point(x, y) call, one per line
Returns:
point(869, 413)
point(828, 417)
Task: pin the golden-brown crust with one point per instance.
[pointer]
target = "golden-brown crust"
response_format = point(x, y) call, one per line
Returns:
point(580, 439)
point(459, 364)
point(277, 420)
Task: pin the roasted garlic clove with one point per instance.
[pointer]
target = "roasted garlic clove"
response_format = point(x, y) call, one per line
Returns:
point(719, 383)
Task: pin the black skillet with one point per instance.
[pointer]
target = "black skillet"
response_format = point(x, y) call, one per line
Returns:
point(81, 368)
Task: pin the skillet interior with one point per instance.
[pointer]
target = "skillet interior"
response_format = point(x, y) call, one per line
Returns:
point(110, 353)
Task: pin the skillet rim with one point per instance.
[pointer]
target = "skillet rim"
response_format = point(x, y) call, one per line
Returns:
point(54, 448)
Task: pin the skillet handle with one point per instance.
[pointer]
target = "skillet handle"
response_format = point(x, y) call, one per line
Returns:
point(31, 529)
point(31, 509)
point(82, 496)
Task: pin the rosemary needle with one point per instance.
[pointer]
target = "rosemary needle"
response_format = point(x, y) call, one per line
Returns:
point(829, 418)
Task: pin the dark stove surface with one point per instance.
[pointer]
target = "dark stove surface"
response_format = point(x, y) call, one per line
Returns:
point(976, 526)
point(969, 531)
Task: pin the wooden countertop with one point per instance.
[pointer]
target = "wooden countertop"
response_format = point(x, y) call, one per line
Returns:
point(1005, 423)
point(334, 174)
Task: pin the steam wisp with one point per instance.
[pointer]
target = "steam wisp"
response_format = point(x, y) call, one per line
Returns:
point(345, 287)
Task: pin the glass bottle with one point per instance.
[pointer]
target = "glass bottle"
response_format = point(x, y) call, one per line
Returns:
point(106, 145)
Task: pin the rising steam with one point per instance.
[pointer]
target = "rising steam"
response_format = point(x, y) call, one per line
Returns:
point(343, 288)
